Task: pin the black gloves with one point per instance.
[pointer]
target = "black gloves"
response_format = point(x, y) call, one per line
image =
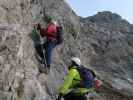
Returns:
point(59, 29)
point(38, 27)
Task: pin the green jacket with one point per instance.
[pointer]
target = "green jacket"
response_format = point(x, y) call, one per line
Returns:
point(71, 80)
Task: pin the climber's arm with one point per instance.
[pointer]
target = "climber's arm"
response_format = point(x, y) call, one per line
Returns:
point(64, 89)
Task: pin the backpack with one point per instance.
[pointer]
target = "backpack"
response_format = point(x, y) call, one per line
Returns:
point(87, 77)
point(51, 30)
point(59, 34)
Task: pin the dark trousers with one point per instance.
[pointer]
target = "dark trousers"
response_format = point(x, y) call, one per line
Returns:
point(71, 96)
point(48, 47)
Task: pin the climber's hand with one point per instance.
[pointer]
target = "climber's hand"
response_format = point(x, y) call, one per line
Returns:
point(38, 26)
point(97, 83)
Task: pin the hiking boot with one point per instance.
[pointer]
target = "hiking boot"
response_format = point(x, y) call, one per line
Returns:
point(42, 68)
point(48, 69)
point(45, 69)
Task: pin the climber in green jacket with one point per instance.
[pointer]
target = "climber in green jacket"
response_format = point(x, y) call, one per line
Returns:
point(71, 89)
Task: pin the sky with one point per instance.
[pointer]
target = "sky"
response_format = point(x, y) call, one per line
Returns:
point(87, 8)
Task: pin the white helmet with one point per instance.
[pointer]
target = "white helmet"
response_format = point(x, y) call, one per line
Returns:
point(54, 22)
point(76, 60)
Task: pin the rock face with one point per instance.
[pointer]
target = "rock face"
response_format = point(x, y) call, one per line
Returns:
point(103, 42)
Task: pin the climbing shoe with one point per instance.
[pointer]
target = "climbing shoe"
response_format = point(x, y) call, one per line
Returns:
point(48, 69)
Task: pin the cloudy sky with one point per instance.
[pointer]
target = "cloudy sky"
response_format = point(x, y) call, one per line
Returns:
point(86, 8)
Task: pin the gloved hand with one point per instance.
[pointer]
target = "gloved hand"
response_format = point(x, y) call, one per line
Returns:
point(59, 97)
point(98, 83)
point(38, 26)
